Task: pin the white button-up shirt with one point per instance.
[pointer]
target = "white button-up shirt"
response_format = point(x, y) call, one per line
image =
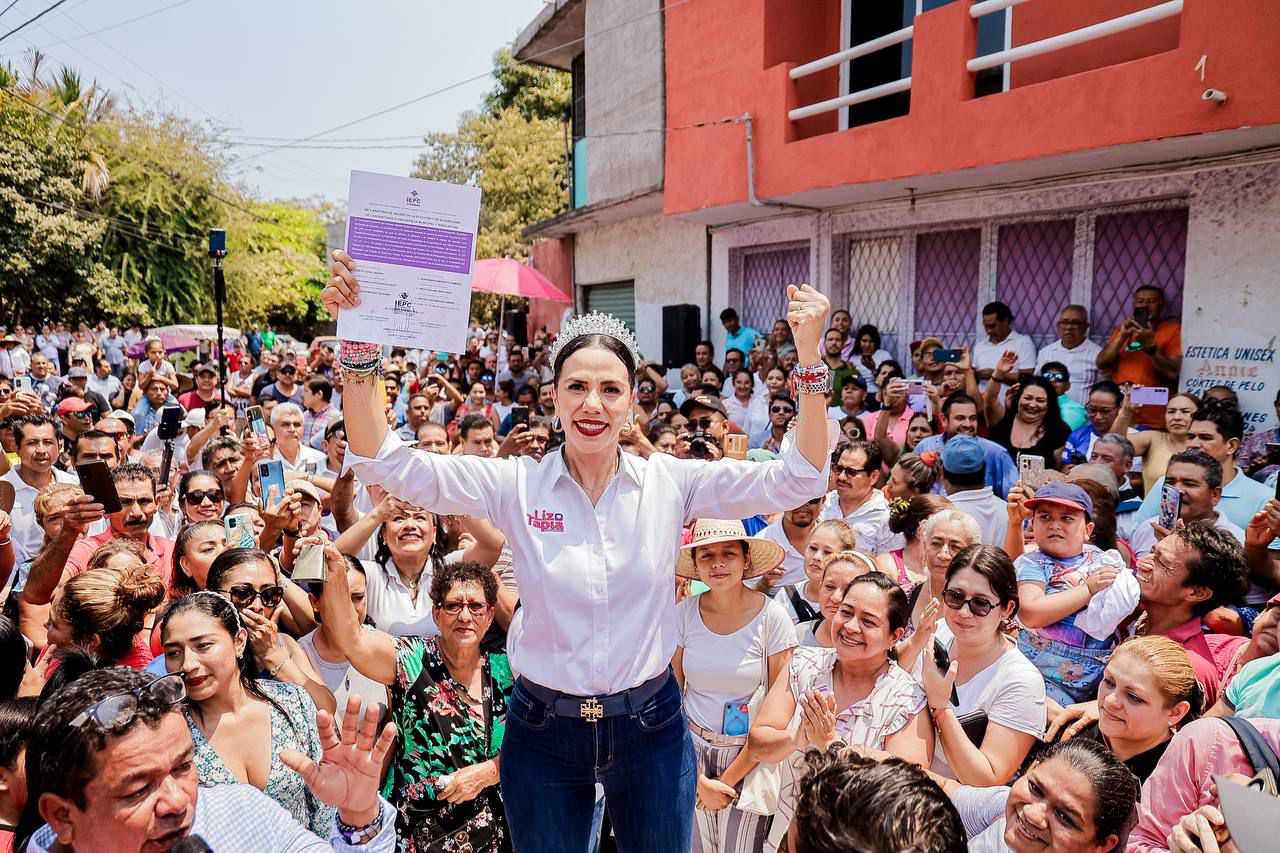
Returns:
point(1081, 362)
point(869, 520)
point(597, 583)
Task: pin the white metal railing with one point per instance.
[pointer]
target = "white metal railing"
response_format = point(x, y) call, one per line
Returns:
point(986, 7)
point(891, 88)
point(855, 52)
point(1074, 37)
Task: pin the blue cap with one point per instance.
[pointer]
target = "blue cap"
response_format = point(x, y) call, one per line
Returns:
point(1064, 494)
point(963, 455)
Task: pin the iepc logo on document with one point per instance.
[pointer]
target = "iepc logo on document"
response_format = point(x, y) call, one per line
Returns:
point(413, 199)
point(402, 308)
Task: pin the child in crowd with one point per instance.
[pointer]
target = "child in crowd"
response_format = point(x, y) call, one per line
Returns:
point(1056, 582)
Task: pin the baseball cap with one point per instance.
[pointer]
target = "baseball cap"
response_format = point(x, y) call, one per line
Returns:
point(963, 455)
point(1063, 494)
point(932, 342)
point(74, 404)
point(703, 401)
point(77, 373)
point(204, 368)
point(854, 379)
point(305, 488)
point(121, 414)
point(195, 418)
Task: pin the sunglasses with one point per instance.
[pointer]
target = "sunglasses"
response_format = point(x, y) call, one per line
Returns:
point(955, 599)
point(453, 608)
point(242, 595)
point(847, 471)
point(782, 410)
point(201, 495)
point(86, 415)
point(287, 370)
point(120, 709)
point(703, 424)
point(1053, 377)
point(1099, 410)
point(814, 501)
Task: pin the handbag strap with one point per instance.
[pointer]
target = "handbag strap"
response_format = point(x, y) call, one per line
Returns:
point(1260, 754)
point(804, 612)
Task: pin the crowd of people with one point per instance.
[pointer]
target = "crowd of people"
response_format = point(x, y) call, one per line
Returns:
point(802, 597)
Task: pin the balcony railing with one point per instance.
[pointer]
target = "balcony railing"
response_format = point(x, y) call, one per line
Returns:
point(1083, 35)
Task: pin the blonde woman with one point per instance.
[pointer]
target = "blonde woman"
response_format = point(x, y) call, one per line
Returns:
point(103, 609)
point(838, 571)
point(730, 640)
point(803, 600)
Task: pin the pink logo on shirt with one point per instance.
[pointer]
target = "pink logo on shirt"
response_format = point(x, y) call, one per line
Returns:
point(547, 521)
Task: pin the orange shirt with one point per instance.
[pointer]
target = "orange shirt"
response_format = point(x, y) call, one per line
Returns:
point(1139, 368)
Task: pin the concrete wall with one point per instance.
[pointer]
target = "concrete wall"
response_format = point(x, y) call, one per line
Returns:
point(1232, 285)
point(624, 95)
point(665, 257)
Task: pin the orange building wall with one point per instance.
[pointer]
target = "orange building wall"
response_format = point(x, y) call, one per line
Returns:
point(1039, 19)
point(714, 50)
point(554, 259)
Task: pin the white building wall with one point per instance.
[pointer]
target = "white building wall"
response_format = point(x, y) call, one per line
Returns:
point(665, 257)
point(1232, 284)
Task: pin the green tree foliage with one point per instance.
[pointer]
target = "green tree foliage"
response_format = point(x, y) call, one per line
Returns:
point(275, 266)
point(514, 150)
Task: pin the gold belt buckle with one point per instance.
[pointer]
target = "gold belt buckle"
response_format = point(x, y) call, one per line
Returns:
point(591, 710)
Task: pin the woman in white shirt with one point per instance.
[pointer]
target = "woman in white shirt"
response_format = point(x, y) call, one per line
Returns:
point(867, 356)
point(594, 533)
point(731, 642)
point(987, 674)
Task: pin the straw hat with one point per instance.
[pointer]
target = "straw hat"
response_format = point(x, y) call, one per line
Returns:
point(762, 555)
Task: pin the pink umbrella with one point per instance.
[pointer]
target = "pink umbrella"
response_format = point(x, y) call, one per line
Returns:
point(173, 342)
point(508, 277)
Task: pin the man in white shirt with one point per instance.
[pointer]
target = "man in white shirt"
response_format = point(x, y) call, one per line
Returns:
point(1198, 478)
point(1074, 349)
point(997, 320)
point(286, 420)
point(38, 448)
point(856, 501)
point(102, 381)
point(792, 531)
point(964, 477)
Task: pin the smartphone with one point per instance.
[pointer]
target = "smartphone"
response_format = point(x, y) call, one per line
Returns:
point(915, 388)
point(735, 446)
point(309, 567)
point(1031, 470)
point(95, 479)
point(271, 473)
point(1145, 396)
point(170, 421)
point(519, 415)
point(918, 403)
point(1170, 507)
point(946, 356)
point(23, 383)
point(257, 422)
point(1273, 453)
point(737, 719)
point(1142, 316)
point(239, 531)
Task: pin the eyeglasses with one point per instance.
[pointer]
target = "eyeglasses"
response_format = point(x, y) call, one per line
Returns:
point(847, 471)
point(700, 423)
point(1053, 377)
point(1099, 410)
point(1066, 322)
point(782, 410)
point(120, 709)
point(242, 595)
point(955, 599)
point(201, 495)
point(453, 608)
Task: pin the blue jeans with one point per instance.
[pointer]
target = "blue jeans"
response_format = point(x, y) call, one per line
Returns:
point(550, 766)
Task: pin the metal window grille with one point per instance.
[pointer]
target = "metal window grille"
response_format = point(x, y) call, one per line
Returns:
point(875, 285)
point(1133, 249)
point(1033, 274)
point(762, 298)
point(946, 296)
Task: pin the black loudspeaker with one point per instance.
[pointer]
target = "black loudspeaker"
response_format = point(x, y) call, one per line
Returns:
point(681, 331)
point(515, 322)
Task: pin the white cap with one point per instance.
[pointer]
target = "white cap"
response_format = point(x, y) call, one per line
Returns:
point(194, 418)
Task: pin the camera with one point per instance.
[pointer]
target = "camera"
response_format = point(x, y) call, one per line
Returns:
point(700, 444)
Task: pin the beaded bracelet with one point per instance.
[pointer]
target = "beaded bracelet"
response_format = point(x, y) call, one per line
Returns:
point(811, 379)
point(359, 360)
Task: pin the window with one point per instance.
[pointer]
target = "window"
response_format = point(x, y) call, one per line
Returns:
point(1130, 250)
point(616, 298)
point(875, 283)
point(762, 276)
point(578, 121)
point(1033, 274)
point(946, 296)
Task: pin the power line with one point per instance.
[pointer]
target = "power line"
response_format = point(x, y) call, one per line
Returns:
point(117, 25)
point(32, 20)
point(660, 10)
point(12, 3)
point(123, 225)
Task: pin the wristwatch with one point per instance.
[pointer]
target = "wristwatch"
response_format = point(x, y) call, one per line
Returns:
point(357, 835)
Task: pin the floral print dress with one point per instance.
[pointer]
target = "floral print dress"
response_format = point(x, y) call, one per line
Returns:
point(293, 726)
point(441, 732)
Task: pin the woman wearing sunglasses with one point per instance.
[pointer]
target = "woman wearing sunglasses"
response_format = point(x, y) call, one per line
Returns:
point(238, 721)
point(199, 497)
point(448, 701)
point(248, 577)
point(987, 675)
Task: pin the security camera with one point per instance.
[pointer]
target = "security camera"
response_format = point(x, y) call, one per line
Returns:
point(1214, 95)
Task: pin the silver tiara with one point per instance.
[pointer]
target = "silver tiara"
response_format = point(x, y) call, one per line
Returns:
point(596, 323)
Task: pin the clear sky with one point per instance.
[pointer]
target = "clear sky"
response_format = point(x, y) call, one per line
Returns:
point(265, 69)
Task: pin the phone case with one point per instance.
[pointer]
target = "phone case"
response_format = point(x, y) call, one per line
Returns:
point(22, 383)
point(309, 566)
point(1146, 396)
point(1031, 469)
point(239, 531)
point(736, 719)
point(1170, 507)
point(271, 473)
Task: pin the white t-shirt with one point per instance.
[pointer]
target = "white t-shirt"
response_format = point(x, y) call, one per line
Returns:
point(343, 679)
point(390, 603)
point(784, 598)
point(1010, 690)
point(982, 812)
point(719, 668)
point(986, 355)
point(166, 369)
point(310, 460)
point(792, 560)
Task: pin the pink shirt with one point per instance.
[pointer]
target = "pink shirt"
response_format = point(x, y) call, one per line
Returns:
point(159, 555)
point(1180, 783)
point(897, 430)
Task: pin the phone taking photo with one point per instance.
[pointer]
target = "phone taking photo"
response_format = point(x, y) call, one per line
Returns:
point(23, 383)
point(309, 567)
point(95, 479)
point(257, 422)
point(519, 416)
point(946, 356)
point(1141, 395)
point(1170, 506)
point(270, 474)
point(238, 530)
point(1031, 470)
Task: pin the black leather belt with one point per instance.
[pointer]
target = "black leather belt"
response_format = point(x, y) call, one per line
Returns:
point(595, 708)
